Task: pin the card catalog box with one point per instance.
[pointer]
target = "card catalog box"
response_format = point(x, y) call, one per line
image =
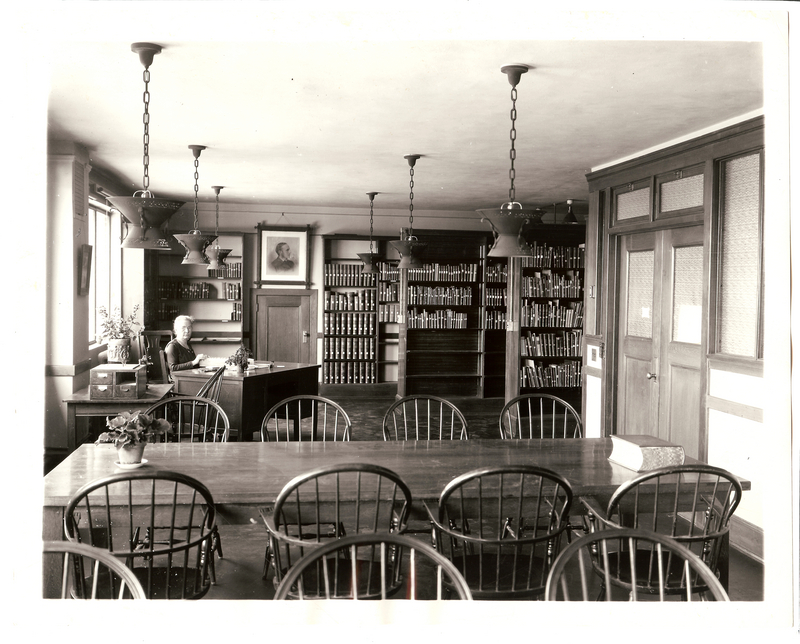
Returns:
point(118, 381)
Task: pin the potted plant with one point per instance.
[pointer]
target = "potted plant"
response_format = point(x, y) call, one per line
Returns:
point(117, 331)
point(238, 361)
point(130, 433)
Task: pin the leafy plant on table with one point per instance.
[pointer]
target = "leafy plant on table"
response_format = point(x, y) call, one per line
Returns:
point(132, 428)
point(239, 359)
point(113, 326)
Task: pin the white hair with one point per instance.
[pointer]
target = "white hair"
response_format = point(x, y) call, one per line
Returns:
point(178, 319)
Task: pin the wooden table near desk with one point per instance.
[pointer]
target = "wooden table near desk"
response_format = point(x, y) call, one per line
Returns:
point(248, 396)
point(79, 405)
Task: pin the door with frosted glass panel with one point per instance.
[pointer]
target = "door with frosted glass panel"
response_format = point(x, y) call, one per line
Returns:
point(660, 332)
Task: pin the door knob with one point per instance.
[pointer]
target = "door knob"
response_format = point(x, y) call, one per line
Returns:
point(651, 376)
point(305, 336)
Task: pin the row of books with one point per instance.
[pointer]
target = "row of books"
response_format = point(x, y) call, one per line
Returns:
point(449, 295)
point(179, 290)
point(388, 312)
point(446, 319)
point(349, 323)
point(546, 256)
point(496, 297)
point(497, 273)
point(541, 376)
point(552, 314)
point(363, 300)
point(556, 344)
point(388, 272)
point(549, 285)
point(233, 291)
point(166, 311)
point(494, 320)
point(334, 373)
point(444, 273)
point(347, 275)
point(230, 271)
point(388, 292)
point(349, 348)
point(236, 314)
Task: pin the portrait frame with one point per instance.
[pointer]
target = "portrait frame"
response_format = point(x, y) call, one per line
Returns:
point(84, 268)
point(293, 266)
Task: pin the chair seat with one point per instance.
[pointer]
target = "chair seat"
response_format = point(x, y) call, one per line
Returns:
point(512, 577)
point(647, 573)
point(340, 577)
point(181, 583)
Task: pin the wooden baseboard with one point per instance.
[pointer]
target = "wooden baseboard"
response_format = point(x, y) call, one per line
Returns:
point(747, 538)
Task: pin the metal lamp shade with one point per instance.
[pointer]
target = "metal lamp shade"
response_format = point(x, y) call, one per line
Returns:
point(370, 261)
point(216, 257)
point(507, 225)
point(410, 251)
point(142, 219)
point(195, 244)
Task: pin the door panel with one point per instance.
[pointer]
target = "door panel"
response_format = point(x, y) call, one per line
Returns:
point(660, 331)
point(283, 328)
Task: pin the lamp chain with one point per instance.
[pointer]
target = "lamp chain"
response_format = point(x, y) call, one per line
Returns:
point(146, 137)
point(196, 177)
point(513, 152)
point(216, 220)
point(370, 226)
point(411, 204)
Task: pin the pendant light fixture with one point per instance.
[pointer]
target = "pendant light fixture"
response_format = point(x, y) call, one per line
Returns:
point(371, 258)
point(409, 246)
point(570, 217)
point(216, 255)
point(194, 241)
point(508, 221)
point(144, 215)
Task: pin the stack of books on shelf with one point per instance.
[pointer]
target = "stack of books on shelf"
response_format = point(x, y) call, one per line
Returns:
point(334, 373)
point(494, 320)
point(546, 284)
point(363, 300)
point(496, 297)
point(447, 295)
point(543, 376)
point(444, 273)
point(349, 348)
point(236, 314)
point(389, 292)
point(388, 312)
point(229, 271)
point(233, 291)
point(179, 290)
point(444, 319)
point(348, 323)
point(388, 272)
point(347, 275)
point(557, 344)
point(497, 273)
point(546, 256)
point(552, 314)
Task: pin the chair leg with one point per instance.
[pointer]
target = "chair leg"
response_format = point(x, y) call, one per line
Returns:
point(267, 560)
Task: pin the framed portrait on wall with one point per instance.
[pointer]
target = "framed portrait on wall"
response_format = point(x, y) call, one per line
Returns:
point(84, 268)
point(284, 255)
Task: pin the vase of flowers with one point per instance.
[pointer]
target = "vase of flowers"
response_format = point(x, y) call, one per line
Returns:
point(130, 432)
point(117, 331)
point(238, 361)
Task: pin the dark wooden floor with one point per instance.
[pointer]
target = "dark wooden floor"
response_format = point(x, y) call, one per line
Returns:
point(239, 573)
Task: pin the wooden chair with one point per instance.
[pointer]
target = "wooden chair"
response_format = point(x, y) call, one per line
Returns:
point(602, 565)
point(87, 572)
point(212, 387)
point(539, 416)
point(373, 566)
point(422, 417)
point(502, 528)
point(692, 504)
point(306, 418)
point(151, 346)
point(329, 503)
point(193, 418)
point(160, 523)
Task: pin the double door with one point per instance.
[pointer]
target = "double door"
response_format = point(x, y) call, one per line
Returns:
point(660, 338)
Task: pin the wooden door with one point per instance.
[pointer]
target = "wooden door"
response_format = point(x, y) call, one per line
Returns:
point(660, 337)
point(283, 325)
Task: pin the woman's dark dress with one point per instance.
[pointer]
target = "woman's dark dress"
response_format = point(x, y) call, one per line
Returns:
point(179, 357)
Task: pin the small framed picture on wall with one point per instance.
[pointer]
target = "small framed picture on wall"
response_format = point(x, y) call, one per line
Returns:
point(284, 255)
point(84, 268)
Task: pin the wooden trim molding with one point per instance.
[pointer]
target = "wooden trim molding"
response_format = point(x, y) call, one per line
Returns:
point(67, 370)
point(735, 409)
point(747, 538)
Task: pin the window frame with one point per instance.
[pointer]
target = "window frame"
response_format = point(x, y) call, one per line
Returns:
point(109, 261)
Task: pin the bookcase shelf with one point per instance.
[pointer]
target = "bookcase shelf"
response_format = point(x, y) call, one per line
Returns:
point(214, 298)
point(360, 312)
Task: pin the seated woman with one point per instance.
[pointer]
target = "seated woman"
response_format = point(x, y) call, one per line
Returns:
point(179, 352)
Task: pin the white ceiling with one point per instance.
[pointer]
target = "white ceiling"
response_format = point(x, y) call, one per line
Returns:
point(313, 122)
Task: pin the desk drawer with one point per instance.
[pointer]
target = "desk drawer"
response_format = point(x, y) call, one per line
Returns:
point(128, 390)
point(97, 377)
point(101, 391)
